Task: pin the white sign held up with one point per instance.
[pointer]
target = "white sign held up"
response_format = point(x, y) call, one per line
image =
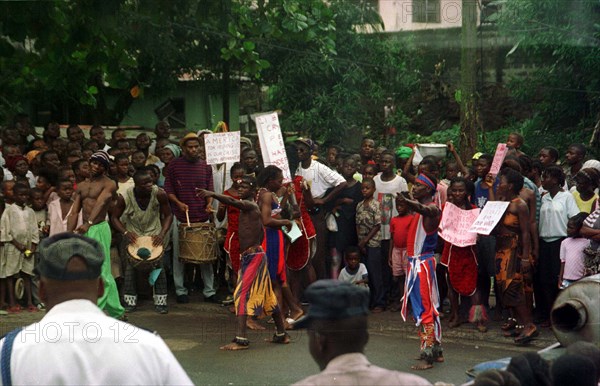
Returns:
point(491, 213)
point(222, 147)
point(272, 146)
point(455, 225)
point(499, 156)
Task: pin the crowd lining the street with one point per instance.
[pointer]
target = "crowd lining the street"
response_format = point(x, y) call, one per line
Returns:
point(368, 218)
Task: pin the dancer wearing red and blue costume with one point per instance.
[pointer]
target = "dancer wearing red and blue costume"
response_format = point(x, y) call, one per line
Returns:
point(421, 284)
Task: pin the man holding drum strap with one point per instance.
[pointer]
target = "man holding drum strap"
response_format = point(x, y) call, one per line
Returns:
point(144, 211)
point(183, 176)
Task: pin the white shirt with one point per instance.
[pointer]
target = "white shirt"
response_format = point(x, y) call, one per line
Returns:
point(8, 176)
point(361, 274)
point(355, 369)
point(319, 178)
point(76, 344)
point(554, 214)
point(385, 192)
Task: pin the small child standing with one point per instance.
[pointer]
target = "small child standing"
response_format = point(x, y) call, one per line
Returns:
point(41, 217)
point(397, 258)
point(572, 258)
point(354, 272)
point(368, 229)
point(19, 237)
point(59, 210)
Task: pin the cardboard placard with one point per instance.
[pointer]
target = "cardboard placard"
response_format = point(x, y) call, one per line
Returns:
point(222, 147)
point(272, 146)
point(456, 224)
point(499, 156)
point(491, 213)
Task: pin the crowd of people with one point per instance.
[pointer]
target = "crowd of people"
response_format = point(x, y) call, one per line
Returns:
point(369, 218)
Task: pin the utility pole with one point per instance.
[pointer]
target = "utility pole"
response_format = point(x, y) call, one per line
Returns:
point(469, 99)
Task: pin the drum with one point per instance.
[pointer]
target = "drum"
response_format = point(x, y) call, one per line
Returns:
point(139, 259)
point(197, 243)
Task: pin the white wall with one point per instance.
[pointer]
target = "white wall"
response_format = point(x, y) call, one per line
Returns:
point(397, 15)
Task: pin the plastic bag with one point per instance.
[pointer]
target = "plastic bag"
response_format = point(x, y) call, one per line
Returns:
point(331, 222)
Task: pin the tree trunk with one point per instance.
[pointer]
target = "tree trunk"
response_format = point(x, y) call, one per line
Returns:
point(468, 80)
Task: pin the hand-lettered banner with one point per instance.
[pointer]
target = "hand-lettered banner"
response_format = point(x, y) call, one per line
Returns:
point(491, 213)
point(501, 151)
point(272, 146)
point(455, 225)
point(222, 147)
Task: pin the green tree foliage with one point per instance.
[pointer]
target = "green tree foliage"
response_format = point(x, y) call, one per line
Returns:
point(75, 53)
point(561, 39)
point(329, 96)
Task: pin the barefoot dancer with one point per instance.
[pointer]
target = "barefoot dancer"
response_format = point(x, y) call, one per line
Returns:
point(421, 283)
point(93, 197)
point(253, 295)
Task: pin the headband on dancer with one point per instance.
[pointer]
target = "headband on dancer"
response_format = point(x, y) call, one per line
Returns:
point(101, 157)
point(424, 180)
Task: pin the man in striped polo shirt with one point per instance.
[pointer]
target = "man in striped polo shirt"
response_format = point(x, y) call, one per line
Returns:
point(183, 176)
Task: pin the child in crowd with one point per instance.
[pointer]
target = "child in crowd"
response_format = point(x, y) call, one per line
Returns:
point(124, 180)
point(41, 214)
point(59, 210)
point(397, 258)
point(369, 171)
point(368, 229)
point(571, 252)
point(514, 142)
point(586, 182)
point(138, 159)
point(354, 272)
point(19, 236)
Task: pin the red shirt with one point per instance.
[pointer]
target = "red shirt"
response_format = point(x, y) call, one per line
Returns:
point(399, 229)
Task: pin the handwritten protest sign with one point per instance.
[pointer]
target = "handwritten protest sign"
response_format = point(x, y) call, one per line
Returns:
point(491, 213)
point(501, 151)
point(455, 225)
point(271, 143)
point(222, 147)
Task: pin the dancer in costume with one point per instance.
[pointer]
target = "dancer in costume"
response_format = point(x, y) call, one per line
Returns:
point(421, 283)
point(462, 263)
point(303, 249)
point(270, 180)
point(93, 198)
point(232, 241)
point(254, 295)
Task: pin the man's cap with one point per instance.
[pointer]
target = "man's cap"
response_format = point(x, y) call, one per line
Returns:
point(334, 300)
point(187, 137)
point(306, 141)
point(56, 251)
point(477, 155)
point(101, 157)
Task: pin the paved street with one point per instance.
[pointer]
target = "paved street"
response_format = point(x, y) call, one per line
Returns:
point(195, 331)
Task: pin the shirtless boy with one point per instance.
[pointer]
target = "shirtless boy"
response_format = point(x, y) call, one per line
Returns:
point(253, 294)
point(93, 198)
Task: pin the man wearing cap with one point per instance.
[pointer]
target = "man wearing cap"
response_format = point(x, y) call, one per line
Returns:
point(92, 348)
point(183, 176)
point(318, 178)
point(144, 210)
point(93, 197)
point(337, 325)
